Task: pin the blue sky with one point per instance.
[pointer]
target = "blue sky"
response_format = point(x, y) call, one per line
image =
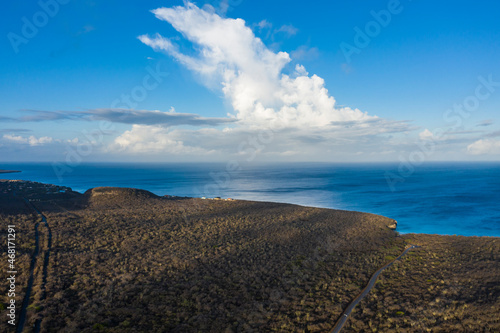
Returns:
point(209, 87)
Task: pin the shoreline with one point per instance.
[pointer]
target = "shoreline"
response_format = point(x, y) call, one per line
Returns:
point(401, 233)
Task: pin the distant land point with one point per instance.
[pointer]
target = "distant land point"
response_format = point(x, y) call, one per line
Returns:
point(9, 171)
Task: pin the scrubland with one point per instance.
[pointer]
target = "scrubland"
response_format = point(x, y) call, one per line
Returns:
point(125, 260)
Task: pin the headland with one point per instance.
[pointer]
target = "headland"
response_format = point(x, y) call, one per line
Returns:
point(127, 260)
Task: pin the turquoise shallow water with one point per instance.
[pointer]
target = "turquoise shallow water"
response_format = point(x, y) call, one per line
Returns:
point(440, 198)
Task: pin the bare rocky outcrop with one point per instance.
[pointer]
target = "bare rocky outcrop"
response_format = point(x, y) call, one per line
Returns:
point(393, 225)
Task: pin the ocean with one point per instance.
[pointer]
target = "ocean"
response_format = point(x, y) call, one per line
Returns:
point(437, 198)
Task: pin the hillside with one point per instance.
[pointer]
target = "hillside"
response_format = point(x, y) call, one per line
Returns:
point(126, 260)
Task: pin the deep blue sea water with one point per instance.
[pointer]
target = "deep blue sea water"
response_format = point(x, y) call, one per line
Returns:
point(439, 198)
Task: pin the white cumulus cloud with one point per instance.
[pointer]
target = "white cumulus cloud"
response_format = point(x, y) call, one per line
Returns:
point(15, 138)
point(145, 139)
point(484, 147)
point(426, 135)
point(251, 76)
point(279, 111)
point(32, 140)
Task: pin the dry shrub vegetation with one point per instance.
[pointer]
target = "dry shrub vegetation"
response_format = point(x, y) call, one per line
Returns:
point(450, 284)
point(125, 260)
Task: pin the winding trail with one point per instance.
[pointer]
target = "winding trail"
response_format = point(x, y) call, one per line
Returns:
point(22, 317)
point(345, 315)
